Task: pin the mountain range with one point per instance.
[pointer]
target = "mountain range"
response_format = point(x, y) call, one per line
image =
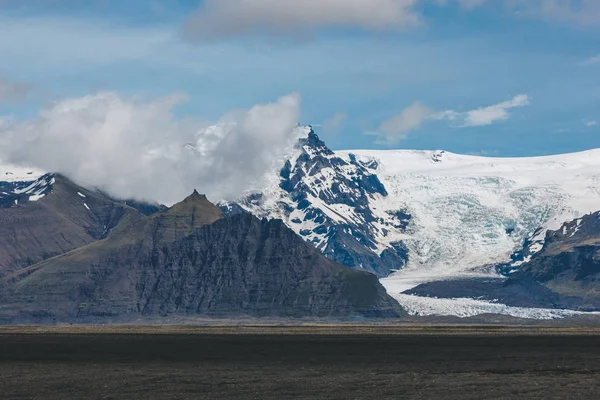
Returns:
point(71, 254)
point(446, 234)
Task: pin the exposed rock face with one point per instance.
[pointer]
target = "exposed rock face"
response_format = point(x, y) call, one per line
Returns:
point(51, 216)
point(568, 264)
point(190, 260)
point(332, 203)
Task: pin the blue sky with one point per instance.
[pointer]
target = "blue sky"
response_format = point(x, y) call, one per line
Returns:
point(419, 74)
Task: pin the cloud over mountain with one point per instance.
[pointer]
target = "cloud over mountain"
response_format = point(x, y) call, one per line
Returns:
point(141, 149)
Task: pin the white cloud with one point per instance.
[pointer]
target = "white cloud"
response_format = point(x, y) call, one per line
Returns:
point(489, 115)
point(591, 61)
point(409, 119)
point(332, 125)
point(591, 123)
point(415, 115)
point(141, 149)
point(10, 91)
point(219, 18)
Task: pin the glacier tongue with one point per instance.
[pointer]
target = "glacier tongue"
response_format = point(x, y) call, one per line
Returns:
point(463, 308)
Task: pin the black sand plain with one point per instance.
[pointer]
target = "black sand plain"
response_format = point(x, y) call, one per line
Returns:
point(325, 362)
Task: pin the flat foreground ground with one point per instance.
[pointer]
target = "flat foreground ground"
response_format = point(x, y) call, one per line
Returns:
point(207, 364)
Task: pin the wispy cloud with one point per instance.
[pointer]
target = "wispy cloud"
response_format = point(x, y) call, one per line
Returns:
point(591, 61)
point(414, 116)
point(583, 12)
point(591, 123)
point(399, 126)
point(333, 124)
point(490, 114)
point(12, 91)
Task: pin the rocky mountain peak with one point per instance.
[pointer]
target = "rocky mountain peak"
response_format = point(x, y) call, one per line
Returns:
point(195, 203)
point(331, 202)
point(194, 212)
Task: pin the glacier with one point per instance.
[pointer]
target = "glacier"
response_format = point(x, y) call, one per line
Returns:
point(471, 213)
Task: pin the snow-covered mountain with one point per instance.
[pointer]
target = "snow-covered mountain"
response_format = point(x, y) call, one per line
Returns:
point(19, 184)
point(336, 203)
point(422, 216)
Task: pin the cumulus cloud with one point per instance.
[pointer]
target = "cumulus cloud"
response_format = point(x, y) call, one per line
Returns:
point(140, 149)
point(399, 126)
point(332, 125)
point(222, 18)
point(10, 91)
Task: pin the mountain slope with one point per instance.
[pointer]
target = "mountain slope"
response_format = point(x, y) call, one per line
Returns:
point(189, 260)
point(51, 216)
point(568, 265)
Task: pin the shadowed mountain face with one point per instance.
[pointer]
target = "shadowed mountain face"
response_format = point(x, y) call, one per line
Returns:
point(51, 216)
point(568, 265)
point(190, 260)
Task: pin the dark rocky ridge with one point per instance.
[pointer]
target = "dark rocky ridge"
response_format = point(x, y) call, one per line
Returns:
point(189, 260)
point(65, 218)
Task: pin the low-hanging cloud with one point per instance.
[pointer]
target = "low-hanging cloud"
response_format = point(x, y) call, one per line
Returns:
point(137, 149)
point(224, 18)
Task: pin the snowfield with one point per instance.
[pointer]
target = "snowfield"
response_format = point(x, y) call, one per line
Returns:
point(470, 212)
